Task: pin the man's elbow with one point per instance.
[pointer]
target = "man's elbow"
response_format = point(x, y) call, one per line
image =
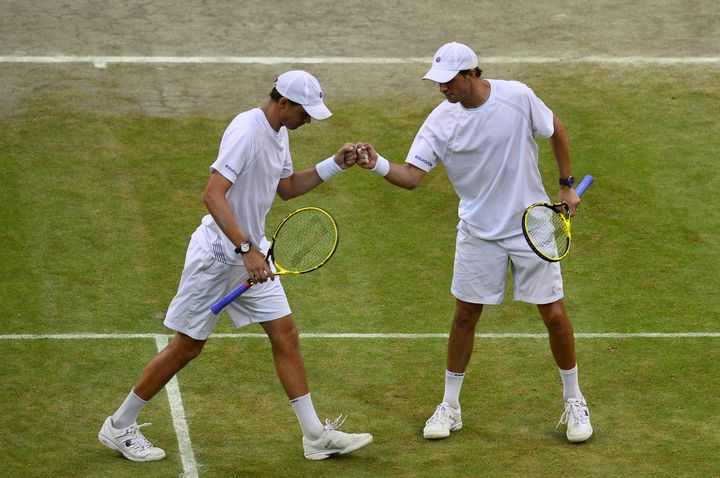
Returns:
point(409, 185)
point(209, 199)
point(285, 194)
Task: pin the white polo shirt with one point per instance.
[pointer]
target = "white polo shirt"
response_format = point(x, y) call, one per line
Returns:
point(489, 154)
point(254, 158)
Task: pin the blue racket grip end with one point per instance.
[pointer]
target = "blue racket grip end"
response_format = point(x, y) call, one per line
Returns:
point(234, 294)
point(584, 184)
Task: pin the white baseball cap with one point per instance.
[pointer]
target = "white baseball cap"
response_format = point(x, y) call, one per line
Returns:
point(304, 89)
point(450, 59)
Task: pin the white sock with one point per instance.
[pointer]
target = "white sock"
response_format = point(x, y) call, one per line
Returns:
point(310, 423)
point(453, 383)
point(128, 412)
point(571, 389)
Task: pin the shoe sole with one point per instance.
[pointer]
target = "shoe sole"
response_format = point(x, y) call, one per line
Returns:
point(439, 436)
point(108, 443)
point(579, 439)
point(344, 451)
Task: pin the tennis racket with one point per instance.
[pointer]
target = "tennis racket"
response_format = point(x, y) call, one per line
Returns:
point(546, 227)
point(303, 242)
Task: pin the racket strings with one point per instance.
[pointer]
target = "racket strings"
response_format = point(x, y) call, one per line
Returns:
point(548, 231)
point(304, 241)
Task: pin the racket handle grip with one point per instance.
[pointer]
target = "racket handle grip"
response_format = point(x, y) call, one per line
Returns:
point(234, 294)
point(584, 184)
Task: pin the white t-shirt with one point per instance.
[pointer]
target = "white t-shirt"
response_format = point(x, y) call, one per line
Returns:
point(490, 156)
point(254, 158)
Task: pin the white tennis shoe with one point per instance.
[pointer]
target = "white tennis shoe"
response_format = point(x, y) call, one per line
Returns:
point(334, 442)
point(577, 418)
point(446, 419)
point(130, 442)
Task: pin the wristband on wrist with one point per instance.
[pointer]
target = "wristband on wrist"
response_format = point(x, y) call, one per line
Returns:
point(327, 168)
point(382, 166)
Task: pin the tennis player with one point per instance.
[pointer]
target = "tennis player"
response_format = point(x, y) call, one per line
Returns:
point(484, 134)
point(253, 165)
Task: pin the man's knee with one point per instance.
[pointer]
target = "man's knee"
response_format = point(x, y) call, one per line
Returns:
point(283, 333)
point(187, 348)
point(466, 314)
point(555, 318)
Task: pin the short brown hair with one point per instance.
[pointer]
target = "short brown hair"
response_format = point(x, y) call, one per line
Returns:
point(478, 72)
point(275, 96)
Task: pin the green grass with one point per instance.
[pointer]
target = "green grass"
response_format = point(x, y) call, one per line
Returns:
point(648, 418)
point(97, 209)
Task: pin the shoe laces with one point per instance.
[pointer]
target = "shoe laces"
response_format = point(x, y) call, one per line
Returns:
point(442, 414)
point(335, 424)
point(573, 410)
point(138, 442)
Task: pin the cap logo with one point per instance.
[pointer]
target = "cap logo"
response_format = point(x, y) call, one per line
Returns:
point(437, 60)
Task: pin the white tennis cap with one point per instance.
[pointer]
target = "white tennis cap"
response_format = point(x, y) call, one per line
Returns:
point(304, 89)
point(449, 60)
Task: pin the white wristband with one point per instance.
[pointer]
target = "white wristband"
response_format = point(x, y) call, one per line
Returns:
point(382, 166)
point(328, 168)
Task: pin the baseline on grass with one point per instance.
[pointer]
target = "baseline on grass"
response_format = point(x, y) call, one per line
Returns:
point(303, 242)
point(546, 227)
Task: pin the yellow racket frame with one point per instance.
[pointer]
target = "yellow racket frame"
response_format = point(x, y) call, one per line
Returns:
point(283, 271)
point(560, 209)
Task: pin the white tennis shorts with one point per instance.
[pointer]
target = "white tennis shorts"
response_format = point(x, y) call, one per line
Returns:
point(481, 269)
point(205, 281)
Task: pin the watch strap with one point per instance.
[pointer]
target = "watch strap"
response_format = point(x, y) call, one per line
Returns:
point(567, 182)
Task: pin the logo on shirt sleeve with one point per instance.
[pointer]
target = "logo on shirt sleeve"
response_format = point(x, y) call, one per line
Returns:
point(423, 160)
point(230, 168)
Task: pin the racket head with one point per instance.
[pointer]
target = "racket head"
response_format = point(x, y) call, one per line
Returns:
point(304, 241)
point(546, 228)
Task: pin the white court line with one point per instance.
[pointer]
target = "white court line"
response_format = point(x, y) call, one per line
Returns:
point(178, 414)
point(312, 335)
point(103, 61)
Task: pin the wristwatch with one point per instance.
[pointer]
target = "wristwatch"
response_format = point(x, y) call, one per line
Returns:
point(243, 248)
point(568, 181)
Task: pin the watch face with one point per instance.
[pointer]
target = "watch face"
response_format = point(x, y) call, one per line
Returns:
point(569, 181)
point(245, 247)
